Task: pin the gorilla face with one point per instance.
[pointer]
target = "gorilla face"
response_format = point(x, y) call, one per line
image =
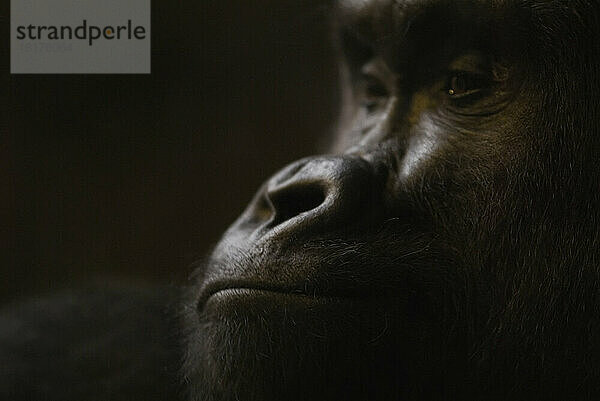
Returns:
point(448, 247)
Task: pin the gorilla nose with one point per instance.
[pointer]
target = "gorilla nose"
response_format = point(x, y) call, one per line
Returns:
point(323, 191)
point(294, 197)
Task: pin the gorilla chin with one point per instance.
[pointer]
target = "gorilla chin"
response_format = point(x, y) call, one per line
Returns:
point(447, 248)
point(357, 326)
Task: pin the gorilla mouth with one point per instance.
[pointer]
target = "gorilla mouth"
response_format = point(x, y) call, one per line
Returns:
point(244, 291)
point(224, 292)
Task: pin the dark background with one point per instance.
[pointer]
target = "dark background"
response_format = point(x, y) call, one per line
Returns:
point(137, 176)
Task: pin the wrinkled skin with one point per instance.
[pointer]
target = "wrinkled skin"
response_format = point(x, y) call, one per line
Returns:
point(447, 247)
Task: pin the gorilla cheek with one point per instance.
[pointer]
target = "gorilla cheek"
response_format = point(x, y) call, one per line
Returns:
point(419, 149)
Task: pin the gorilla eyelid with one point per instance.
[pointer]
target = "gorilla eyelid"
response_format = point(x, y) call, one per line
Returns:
point(462, 84)
point(374, 86)
point(373, 91)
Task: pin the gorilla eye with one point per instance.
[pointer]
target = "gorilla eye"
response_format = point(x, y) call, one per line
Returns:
point(463, 84)
point(374, 92)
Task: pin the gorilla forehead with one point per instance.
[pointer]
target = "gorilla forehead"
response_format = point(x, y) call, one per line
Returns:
point(535, 6)
point(420, 23)
point(395, 16)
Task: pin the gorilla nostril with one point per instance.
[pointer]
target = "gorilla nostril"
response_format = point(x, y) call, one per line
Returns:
point(321, 192)
point(291, 201)
point(261, 212)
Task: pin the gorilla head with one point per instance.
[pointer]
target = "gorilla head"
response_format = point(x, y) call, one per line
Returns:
point(448, 246)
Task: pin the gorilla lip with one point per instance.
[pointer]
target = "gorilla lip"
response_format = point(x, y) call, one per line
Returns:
point(238, 289)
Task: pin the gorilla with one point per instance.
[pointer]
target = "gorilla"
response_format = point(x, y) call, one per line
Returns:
point(447, 248)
